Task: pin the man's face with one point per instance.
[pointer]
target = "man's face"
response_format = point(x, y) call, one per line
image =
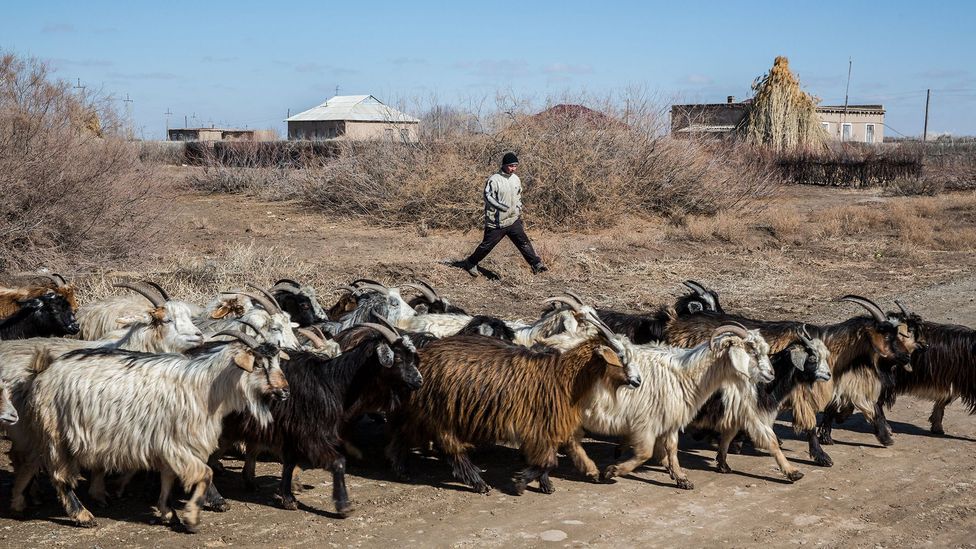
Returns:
point(509, 168)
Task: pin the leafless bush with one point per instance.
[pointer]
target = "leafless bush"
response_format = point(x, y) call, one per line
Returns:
point(579, 168)
point(161, 152)
point(246, 169)
point(915, 186)
point(73, 189)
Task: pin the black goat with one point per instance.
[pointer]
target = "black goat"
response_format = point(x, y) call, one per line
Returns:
point(430, 302)
point(299, 302)
point(648, 327)
point(488, 326)
point(48, 315)
point(325, 393)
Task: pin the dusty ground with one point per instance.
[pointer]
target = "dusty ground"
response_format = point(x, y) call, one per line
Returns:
point(918, 492)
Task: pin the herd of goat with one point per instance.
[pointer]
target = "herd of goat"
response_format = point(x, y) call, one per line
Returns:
point(145, 382)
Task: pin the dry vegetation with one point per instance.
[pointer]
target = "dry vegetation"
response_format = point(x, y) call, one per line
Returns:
point(74, 190)
point(782, 116)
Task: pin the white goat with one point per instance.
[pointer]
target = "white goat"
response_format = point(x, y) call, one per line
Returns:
point(122, 411)
point(676, 383)
point(267, 320)
point(110, 317)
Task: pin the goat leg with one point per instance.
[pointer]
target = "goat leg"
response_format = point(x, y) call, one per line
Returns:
point(677, 473)
point(582, 461)
point(723, 451)
point(339, 494)
point(882, 429)
point(531, 473)
point(195, 500)
point(24, 474)
point(643, 451)
point(938, 412)
point(397, 452)
point(816, 451)
point(96, 488)
point(288, 500)
point(826, 425)
point(166, 514)
point(250, 463)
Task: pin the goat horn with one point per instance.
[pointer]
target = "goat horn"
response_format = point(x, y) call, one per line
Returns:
point(805, 334)
point(734, 329)
point(564, 300)
point(606, 332)
point(575, 296)
point(287, 285)
point(320, 333)
point(390, 336)
point(313, 337)
point(695, 287)
point(240, 336)
point(162, 292)
point(249, 325)
point(429, 287)
point(143, 290)
point(257, 298)
point(274, 302)
point(384, 321)
point(57, 283)
point(871, 306)
point(366, 286)
point(64, 281)
point(430, 296)
point(347, 288)
point(904, 311)
point(360, 281)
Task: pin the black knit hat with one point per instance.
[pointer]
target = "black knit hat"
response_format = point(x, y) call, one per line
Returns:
point(509, 158)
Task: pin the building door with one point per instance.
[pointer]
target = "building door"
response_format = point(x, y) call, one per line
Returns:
point(869, 133)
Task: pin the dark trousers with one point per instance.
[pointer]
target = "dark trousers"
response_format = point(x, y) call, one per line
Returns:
point(516, 233)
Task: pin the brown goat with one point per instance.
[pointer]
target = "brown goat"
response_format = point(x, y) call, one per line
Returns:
point(10, 298)
point(480, 390)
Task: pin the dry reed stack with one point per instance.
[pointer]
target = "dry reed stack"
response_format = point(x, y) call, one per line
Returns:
point(783, 117)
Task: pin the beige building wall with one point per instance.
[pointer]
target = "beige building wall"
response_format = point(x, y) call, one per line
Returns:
point(834, 122)
point(382, 131)
point(316, 130)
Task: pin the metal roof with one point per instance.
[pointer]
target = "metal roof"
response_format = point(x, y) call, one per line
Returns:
point(360, 108)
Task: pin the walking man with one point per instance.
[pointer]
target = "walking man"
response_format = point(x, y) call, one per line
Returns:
point(503, 217)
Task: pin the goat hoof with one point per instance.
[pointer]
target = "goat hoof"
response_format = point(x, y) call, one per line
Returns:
point(219, 506)
point(724, 468)
point(594, 477)
point(938, 430)
point(547, 488)
point(825, 439)
point(886, 440)
point(609, 473)
point(483, 488)
point(190, 528)
point(86, 520)
point(685, 484)
point(823, 460)
point(344, 510)
point(289, 504)
point(794, 476)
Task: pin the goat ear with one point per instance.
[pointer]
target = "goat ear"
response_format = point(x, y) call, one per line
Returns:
point(158, 314)
point(740, 360)
point(283, 355)
point(609, 356)
point(32, 303)
point(798, 356)
point(221, 312)
point(244, 361)
point(385, 354)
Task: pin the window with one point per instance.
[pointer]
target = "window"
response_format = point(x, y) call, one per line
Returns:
point(869, 133)
point(846, 132)
point(825, 126)
point(405, 135)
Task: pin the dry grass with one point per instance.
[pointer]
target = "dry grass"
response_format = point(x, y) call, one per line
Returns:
point(782, 116)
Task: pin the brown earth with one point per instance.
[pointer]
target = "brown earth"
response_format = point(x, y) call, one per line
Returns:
point(918, 492)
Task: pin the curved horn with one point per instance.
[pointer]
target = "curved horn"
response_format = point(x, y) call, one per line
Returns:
point(360, 281)
point(429, 287)
point(143, 290)
point(606, 333)
point(366, 286)
point(313, 337)
point(256, 298)
point(904, 311)
point(805, 335)
point(287, 285)
point(564, 300)
point(695, 287)
point(390, 336)
point(57, 282)
point(249, 325)
point(871, 306)
point(347, 287)
point(64, 281)
point(320, 333)
point(734, 329)
point(382, 320)
point(162, 292)
point(275, 308)
point(429, 295)
point(575, 296)
point(240, 336)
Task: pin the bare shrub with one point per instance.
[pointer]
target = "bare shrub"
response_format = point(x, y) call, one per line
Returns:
point(74, 191)
point(580, 168)
point(249, 171)
point(915, 186)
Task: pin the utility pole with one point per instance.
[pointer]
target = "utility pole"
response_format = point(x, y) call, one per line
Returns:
point(337, 89)
point(168, 113)
point(78, 86)
point(128, 114)
point(925, 129)
point(186, 124)
point(850, 63)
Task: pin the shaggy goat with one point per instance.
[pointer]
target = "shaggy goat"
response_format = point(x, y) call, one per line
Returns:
point(855, 343)
point(269, 321)
point(753, 408)
point(11, 298)
point(479, 390)
point(112, 318)
point(430, 302)
point(114, 410)
point(47, 315)
point(299, 302)
point(943, 372)
point(677, 382)
point(325, 394)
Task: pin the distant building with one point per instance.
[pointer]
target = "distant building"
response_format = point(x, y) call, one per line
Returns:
point(354, 118)
point(857, 123)
point(219, 134)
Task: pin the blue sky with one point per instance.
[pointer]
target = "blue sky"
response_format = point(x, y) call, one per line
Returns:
point(247, 63)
